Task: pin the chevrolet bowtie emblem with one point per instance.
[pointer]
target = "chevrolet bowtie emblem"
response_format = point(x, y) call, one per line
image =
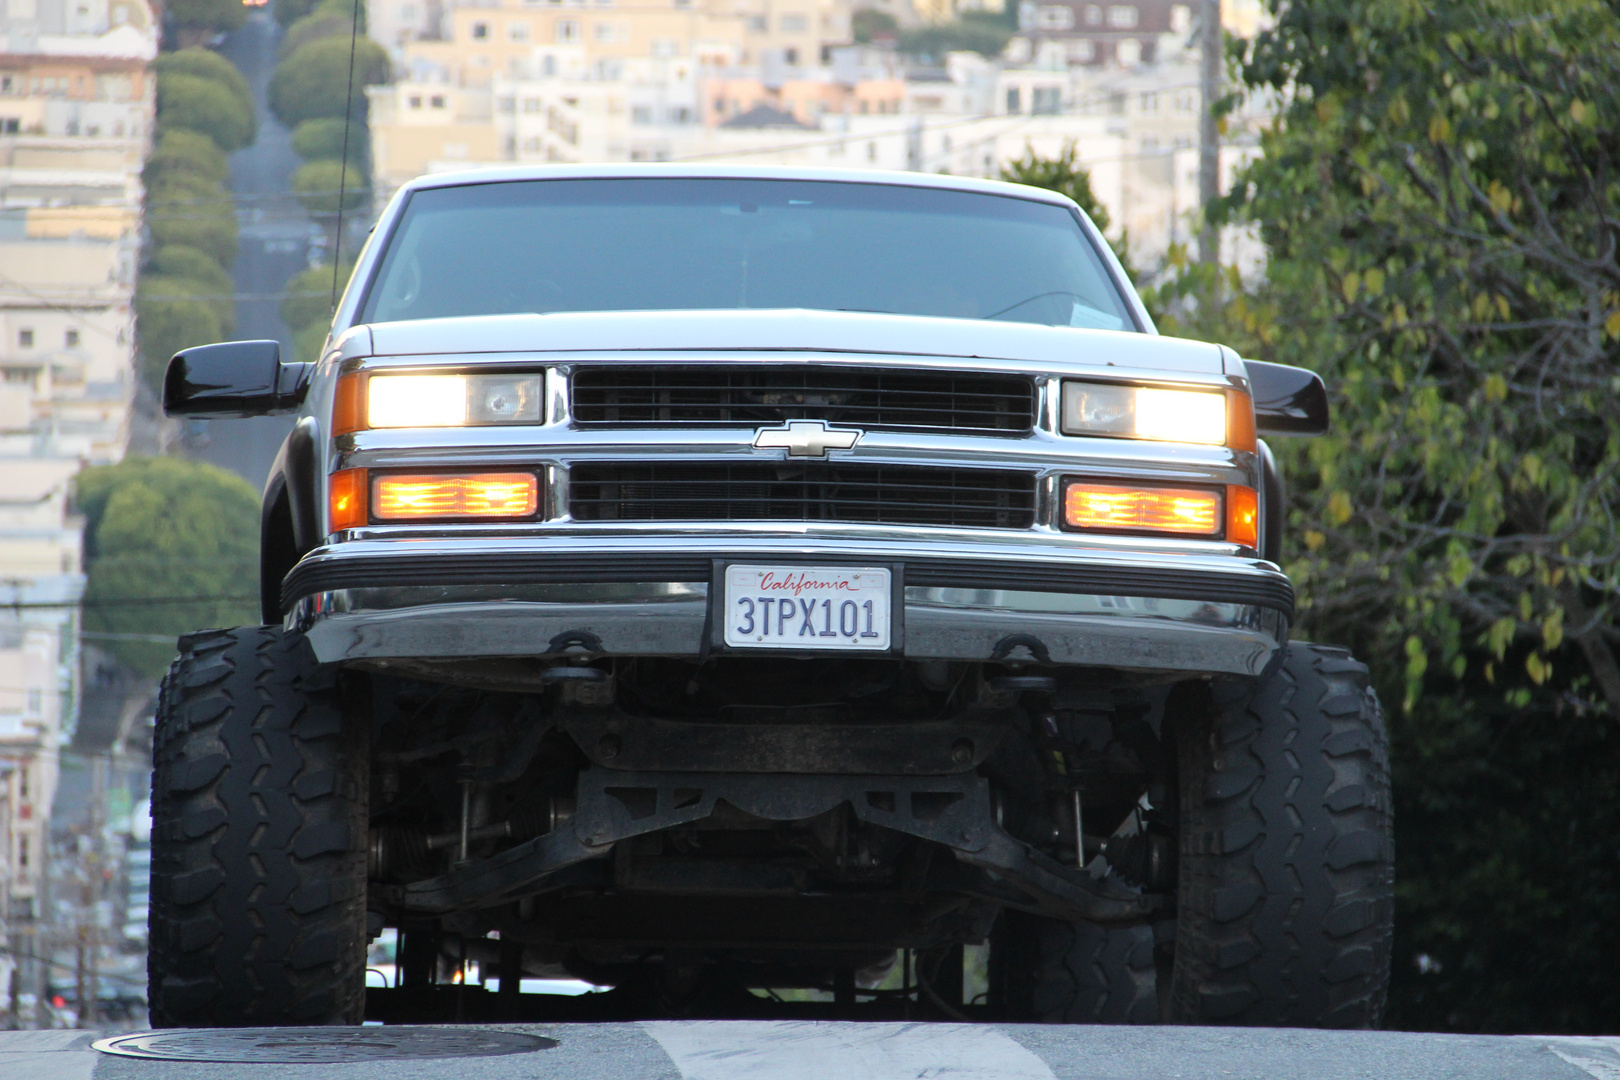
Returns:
point(806, 438)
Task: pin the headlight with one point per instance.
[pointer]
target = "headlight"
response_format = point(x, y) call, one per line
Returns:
point(395, 401)
point(1140, 412)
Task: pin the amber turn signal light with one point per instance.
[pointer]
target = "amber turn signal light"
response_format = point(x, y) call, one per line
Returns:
point(1114, 508)
point(429, 496)
point(346, 499)
point(1243, 516)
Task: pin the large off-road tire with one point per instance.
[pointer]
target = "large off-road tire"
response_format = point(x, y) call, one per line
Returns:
point(1286, 895)
point(259, 793)
point(1075, 973)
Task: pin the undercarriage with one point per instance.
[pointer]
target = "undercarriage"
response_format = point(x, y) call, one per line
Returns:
point(638, 821)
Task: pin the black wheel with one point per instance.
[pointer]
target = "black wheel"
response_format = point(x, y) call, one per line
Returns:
point(259, 793)
point(1055, 972)
point(1286, 896)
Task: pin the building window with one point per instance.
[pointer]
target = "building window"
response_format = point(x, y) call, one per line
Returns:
point(9, 125)
point(36, 701)
point(567, 31)
point(1150, 102)
point(1093, 15)
point(1180, 18)
point(1122, 16)
point(641, 114)
point(1128, 52)
point(480, 31)
point(531, 105)
point(665, 47)
point(1056, 17)
point(25, 339)
point(790, 55)
point(531, 145)
point(1082, 50)
point(794, 24)
point(518, 31)
point(1046, 100)
point(71, 338)
point(604, 32)
point(416, 101)
point(871, 151)
point(756, 24)
point(1015, 102)
point(436, 101)
point(22, 852)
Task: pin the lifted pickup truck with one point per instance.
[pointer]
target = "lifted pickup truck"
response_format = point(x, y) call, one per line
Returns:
point(698, 580)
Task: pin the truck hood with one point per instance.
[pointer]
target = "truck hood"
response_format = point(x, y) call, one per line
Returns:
point(795, 330)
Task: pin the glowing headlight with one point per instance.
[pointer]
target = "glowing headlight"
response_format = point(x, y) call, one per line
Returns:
point(1139, 412)
point(394, 401)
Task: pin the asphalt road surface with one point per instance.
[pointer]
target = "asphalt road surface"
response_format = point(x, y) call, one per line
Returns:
point(802, 1050)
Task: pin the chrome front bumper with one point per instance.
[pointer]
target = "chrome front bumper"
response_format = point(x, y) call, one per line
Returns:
point(451, 598)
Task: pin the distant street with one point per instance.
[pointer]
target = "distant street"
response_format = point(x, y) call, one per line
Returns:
point(274, 245)
point(797, 1050)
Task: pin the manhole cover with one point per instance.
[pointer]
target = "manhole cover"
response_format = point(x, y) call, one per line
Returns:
point(320, 1045)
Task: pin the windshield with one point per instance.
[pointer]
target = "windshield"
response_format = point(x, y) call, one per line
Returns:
point(682, 244)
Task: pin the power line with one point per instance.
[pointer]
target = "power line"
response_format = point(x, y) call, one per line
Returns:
point(125, 601)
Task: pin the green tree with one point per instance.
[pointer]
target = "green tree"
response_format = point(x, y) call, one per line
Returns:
point(195, 213)
point(1440, 203)
point(320, 23)
point(171, 546)
point(307, 307)
point(317, 185)
point(169, 316)
point(183, 152)
point(179, 261)
point(191, 101)
point(207, 64)
point(314, 81)
point(1063, 174)
point(965, 35)
point(321, 139)
point(156, 287)
point(196, 21)
point(868, 23)
point(288, 12)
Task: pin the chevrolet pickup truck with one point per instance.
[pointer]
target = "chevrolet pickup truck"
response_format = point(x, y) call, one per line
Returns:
point(710, 581)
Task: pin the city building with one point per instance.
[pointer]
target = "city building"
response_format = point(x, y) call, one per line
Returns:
point(40, 585)
point(76, 111)
point(77, 103)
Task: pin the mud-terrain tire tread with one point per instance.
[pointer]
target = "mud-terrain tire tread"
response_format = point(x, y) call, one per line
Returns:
point(1054, 972)
point(1088, 974)
point(259, 789)
point(1286, 896)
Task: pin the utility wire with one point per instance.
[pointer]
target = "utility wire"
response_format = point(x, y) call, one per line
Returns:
point(343, 167)
point(124, 601)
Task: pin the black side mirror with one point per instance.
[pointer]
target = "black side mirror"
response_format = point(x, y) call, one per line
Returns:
point(235, 378)
point(1287, 400)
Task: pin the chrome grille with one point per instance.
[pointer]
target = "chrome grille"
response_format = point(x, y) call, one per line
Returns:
point(802, 491)
point(760, 394)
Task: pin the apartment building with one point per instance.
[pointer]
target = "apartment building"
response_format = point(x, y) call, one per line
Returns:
point(40, 585)
point(472, 41)
point(76, 109)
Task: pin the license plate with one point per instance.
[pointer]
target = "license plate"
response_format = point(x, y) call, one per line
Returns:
point(808, 607)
